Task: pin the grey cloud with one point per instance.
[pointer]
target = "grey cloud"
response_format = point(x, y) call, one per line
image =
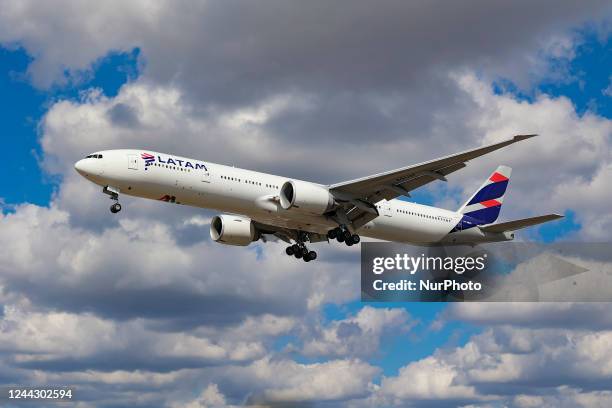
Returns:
point(186, 235)
point(241, 53)
point(142, 278)
point(177, 306)
point(123, 115)
point(590, 316)
point(346, 57)
point(346, 330)
point(358, 335)
point(372, 75)
point(126, 360)
point(232, 52)
point(269, 86)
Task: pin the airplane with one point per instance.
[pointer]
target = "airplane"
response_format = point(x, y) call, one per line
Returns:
point(257, 205)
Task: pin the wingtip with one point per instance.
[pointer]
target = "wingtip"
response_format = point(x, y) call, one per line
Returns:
point(517, 138)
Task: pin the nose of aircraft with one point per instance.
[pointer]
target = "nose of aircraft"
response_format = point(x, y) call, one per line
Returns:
point(89, 167)
point(80, 166)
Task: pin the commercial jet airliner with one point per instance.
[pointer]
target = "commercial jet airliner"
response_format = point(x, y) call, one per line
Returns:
point(256, 205)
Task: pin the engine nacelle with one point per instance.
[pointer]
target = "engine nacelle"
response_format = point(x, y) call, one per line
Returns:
point(306, 197)
point(233, 230)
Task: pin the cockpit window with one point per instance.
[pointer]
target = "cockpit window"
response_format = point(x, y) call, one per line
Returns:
point(94, 156)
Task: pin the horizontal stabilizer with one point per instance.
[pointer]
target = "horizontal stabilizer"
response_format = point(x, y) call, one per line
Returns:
point(518, 224)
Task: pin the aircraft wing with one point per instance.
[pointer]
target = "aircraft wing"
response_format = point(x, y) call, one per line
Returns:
point(285, 234)
point(361, 194)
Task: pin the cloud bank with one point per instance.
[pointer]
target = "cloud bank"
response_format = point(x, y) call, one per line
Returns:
point(142, 309)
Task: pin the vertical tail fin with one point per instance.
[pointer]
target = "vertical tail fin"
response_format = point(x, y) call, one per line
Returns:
point(484, 206)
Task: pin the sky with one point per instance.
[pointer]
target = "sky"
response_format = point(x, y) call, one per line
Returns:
point(142, 309)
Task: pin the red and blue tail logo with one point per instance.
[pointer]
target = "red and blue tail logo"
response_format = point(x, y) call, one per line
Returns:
point(484, 206)
point(148, 158)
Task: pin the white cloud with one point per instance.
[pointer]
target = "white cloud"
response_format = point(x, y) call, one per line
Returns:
point(290, 382)
point(502, 358)
point(429, 378)
point(359, 335)
point(74, 270)
point(66, 37)
point(77, 282)
point(54, 333)
point(570, 157)
point(565, 397)
point(36, 337)
point(592, 316)
point(210, 397)
point(528, 401)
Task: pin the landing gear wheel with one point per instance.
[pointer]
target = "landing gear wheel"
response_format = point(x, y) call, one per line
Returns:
point(347, 235)
point(349, 243)
point(298, 254)
point(289, 251)
point(340, 238)
point(115, 208)
point(332, 233)
point(312, 255)
point(304, 251)
point(307, 258)
point(355, 238)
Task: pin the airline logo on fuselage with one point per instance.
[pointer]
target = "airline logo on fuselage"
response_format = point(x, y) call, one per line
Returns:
point(150, 159)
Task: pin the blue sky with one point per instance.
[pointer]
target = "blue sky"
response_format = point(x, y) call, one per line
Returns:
point(24, 105)
point(211, 72)
point(583, 79)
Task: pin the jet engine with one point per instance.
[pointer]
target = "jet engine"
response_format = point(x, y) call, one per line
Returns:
point(233, 230)
point(306, 197)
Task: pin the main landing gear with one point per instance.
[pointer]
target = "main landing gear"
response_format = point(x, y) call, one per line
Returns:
point(299, 249)
point(114, 195)
point(342, 234)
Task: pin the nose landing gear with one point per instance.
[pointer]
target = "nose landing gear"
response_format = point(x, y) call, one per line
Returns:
point(115, 208)
point(342, 234)
point(114, 195)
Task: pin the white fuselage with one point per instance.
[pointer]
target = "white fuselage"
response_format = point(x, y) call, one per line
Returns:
point(255, 195)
